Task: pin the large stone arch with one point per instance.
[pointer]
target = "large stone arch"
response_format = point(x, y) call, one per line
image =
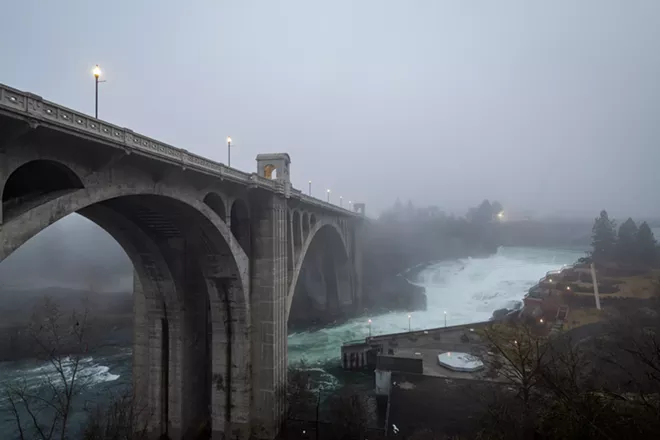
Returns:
point(334, 242)
point(215, 280)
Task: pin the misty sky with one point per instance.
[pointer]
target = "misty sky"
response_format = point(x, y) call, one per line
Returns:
point(552, 106)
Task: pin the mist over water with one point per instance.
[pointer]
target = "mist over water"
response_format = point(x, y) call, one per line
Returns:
point(469, 290)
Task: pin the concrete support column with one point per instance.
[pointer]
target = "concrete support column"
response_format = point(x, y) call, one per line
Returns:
point(269, 286)
point(356, 256)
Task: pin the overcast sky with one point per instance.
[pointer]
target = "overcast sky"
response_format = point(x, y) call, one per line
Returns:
point(552, 106)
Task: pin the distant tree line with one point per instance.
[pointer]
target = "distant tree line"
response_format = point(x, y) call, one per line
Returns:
point(405, 235)
point(631, 245)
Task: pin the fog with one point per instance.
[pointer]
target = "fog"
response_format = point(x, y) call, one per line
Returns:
point(546, 106)
point(549, 107)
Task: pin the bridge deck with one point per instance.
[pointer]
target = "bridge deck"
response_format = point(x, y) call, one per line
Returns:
point(36, 111)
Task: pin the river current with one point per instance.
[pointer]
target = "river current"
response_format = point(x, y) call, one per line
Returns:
point(468, 290)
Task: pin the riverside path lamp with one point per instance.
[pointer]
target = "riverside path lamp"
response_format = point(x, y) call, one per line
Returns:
point(341, 201)
point(310, 188)
point(328, 196)
point(445, 318)
point(370, 328)
point(409, 317)
point(228, 151)
point(96, 71)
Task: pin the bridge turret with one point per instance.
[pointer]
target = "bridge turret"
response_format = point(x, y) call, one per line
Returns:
point(360, 208)
point(274, 166)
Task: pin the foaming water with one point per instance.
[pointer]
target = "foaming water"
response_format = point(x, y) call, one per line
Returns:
point(468, 290)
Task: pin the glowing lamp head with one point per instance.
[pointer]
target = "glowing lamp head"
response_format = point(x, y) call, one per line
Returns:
point(96, 71)
point(500, 214)
point(370, 321)
point(409, 316)
point(229, 139)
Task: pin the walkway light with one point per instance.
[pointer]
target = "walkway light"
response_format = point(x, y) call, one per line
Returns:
point(228, 151)
point(445, 318)
point(370, 328)
point(409, 317)
point(310, 188)
point(96, 71)
point(328, 196)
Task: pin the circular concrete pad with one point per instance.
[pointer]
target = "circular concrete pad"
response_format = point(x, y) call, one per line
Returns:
point(458, 361)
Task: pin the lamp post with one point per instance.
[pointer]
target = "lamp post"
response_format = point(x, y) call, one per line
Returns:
point(310, 188)
point(445, 318)
point(409, 316)
point(96, 71)
point(341, 201)
point(370, 328)
point(328, 196)
point(350, 205)
point(228, 151)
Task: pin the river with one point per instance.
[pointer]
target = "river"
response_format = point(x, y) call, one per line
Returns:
point(468, 290)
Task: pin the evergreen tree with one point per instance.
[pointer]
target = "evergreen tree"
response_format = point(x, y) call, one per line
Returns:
point(626, 246)
point(603, 238)
point(646, 245)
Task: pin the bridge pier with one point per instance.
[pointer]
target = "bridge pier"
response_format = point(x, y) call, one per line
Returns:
point(269, 315)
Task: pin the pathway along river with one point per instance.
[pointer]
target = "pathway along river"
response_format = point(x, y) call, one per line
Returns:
point(469, 290)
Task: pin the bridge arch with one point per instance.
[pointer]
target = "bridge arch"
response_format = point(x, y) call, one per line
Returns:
point(240, 224)
point(297, 230)
point(217, 203)
point(190, 271)
point(325, 239)
point(305, 225)
point(34, 180)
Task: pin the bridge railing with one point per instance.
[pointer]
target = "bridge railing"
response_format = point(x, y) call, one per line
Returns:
point(39, 111)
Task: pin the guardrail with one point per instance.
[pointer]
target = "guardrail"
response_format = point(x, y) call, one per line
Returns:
point(39, 111)
point(416, 333)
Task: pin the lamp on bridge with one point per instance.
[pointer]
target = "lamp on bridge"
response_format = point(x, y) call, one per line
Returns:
point(96, 71)
point(310, 188)
point(328, 196)
point(350, 205)
point(370, 328)
point(228, 151)
point(409, 317)
point(445, 318)
point(341, 201)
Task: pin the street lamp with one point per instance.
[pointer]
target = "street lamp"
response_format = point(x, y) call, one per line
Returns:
point(228, 151)
point(445, 318)
point(409, 316)
point(341, 201)
point(310, 188)
point(328, 196)
point(350, 205)
point(96, 71)
point(370, 328)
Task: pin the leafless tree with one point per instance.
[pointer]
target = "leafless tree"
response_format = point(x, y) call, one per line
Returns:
point(349, 416)
point(301, 399)
point(518, 357)
point(41, 409)
point(120, 420)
